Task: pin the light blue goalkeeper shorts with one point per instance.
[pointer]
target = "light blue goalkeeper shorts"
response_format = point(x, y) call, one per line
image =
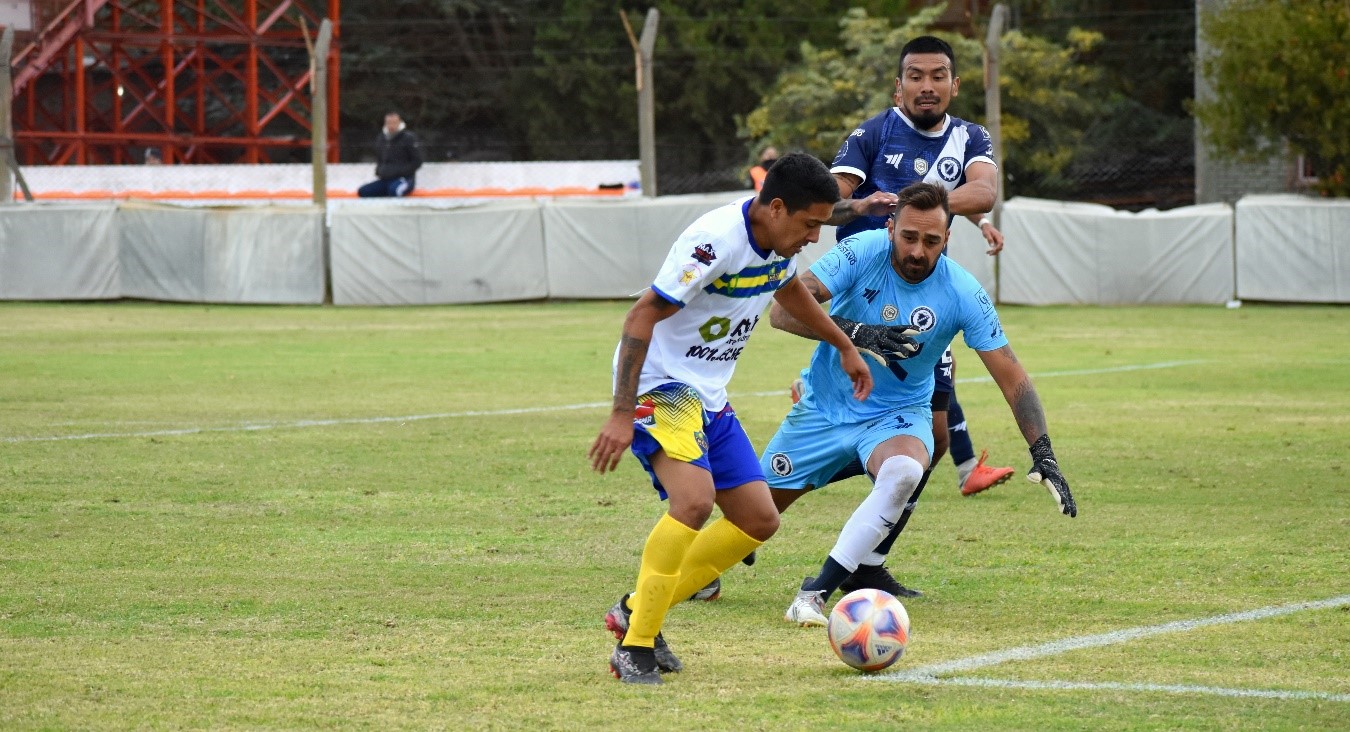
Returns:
point(808, 449)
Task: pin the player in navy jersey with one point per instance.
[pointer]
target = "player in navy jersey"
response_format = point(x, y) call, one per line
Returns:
point(898, 298)
point(914, 141)
point(678, 351)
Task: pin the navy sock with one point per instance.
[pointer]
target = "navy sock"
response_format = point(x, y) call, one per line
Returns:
point(961, 448)
point(832, 574)
point(884, 548)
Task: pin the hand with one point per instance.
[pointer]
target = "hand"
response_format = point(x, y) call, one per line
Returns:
point(1045, 470)
point(880, 203)
point(614, 438)
point(993, 237)
point(858, 373)
point(885, 343)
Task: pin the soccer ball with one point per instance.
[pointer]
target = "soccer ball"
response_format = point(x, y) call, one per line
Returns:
point(869, 629)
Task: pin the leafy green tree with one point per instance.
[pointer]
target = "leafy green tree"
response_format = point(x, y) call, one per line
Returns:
point(1281, 76)
point(1049, 98)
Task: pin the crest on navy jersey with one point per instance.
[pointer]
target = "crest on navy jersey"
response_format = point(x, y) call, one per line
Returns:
point(923, 318)
point(949, 169)
point(920, 166)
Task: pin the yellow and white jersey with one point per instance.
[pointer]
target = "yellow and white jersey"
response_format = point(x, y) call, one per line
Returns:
point(722, 281)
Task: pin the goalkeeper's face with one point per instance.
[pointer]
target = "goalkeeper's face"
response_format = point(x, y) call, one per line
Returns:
point(917, 240)
point(789, 233)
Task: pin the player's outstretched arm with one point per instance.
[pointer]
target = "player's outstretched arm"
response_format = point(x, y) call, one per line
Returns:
point(1021, 396)
point(800, 303)
point(617, 432)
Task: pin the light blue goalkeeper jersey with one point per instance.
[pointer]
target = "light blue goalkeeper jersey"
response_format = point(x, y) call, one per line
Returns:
point(866, 288)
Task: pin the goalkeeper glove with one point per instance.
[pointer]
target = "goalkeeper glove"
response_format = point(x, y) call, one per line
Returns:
point(1045, 470)
point(885, 343)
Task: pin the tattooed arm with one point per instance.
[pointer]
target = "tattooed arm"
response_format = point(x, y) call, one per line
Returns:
point(1012, 379)
point(617, 433)
point(781, 319)
point(1017, 389)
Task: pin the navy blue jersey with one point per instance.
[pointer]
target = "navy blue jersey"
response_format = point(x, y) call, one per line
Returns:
point(888, 153)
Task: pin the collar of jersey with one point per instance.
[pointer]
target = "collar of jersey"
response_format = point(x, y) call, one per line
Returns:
point(939, 132)
point(745, 216)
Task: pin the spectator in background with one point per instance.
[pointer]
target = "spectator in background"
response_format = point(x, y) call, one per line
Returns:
point(397, 158)
point(152, 157)
point(761, 169)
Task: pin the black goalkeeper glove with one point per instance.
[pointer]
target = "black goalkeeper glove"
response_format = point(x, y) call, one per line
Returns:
point(885, 343)
point(1045, 470)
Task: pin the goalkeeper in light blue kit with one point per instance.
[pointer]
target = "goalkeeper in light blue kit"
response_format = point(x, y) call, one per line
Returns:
point(899, 300)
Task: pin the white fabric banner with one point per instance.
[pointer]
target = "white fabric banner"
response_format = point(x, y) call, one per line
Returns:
point(232, 255)
point(1083, 253)
point(58, 253)
point(604, 249)
point(401, 255)
point(1295, 249)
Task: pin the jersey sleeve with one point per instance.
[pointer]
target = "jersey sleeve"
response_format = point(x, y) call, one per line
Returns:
point(980, 326)
point(858, 149)
point(692, 263)
point(979, 146)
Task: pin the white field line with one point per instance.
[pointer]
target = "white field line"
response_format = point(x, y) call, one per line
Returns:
point(260, 426)
point(930, 674)
point(1113, 686)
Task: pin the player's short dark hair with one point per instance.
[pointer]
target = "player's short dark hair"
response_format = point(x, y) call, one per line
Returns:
point(923, 197)
point(927, 44)
point(800, 180)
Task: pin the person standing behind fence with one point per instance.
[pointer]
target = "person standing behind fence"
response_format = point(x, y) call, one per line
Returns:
point(397, 158)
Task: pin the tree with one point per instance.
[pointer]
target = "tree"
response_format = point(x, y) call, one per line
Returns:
point(1049, 96)
point(1281, 77)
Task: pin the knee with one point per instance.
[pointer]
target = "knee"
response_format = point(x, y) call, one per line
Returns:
point(941, 441)
point(763, 526)
point(898, 476)
point(692, 512)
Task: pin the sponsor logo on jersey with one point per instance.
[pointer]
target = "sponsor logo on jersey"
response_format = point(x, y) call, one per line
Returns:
point(716, 328)
point(780, 464)
point(982, 297)
point(949, 169)
point(889, 313)
point(902, 423)
point(923, 318)
point(894, 160)
point(858, 133)
point(920, 166)
point(705, 253)
point(869, 294)
point(689, 273)
point(701, 440)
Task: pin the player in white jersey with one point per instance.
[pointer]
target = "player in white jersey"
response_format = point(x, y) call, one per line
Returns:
point(679, 346)
point(891, 286)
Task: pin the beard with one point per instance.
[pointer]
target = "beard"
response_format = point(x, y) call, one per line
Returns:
point(925, 119)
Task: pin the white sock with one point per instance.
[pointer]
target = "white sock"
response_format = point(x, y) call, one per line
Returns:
point(964, 470)
point(875, 516)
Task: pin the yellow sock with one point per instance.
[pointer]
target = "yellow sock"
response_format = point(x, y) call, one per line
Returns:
point(718, 546)
point(661, 559)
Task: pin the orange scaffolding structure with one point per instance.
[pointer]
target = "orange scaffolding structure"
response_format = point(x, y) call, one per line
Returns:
point(200, 81)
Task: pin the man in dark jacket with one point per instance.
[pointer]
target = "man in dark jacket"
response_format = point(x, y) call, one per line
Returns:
point(397, 158)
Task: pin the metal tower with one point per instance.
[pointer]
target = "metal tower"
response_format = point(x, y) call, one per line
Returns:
point(200, 81)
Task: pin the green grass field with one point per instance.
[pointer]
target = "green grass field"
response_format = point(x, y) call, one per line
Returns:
point(300, 518)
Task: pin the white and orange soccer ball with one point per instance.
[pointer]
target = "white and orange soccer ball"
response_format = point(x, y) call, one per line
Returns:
point(869, 629)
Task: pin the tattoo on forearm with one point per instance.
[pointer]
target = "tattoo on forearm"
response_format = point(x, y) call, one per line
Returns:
point(632, 353)
point(1027, 410)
